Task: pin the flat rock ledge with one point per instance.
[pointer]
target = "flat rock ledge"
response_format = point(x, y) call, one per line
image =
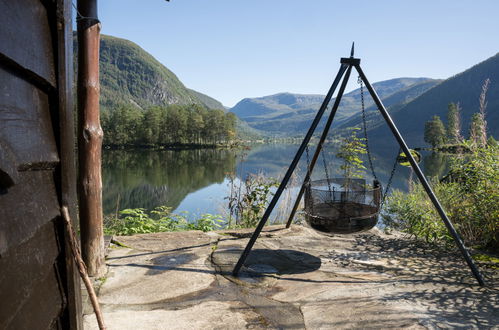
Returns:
point(293, 279)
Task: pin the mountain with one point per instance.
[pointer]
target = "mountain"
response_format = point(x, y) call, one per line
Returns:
point(208, 101)
point(289, 114)
point(392, 103)
point(130, 75)
point(463, 88)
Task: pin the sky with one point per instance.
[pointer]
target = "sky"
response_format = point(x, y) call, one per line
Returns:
point(233, 49)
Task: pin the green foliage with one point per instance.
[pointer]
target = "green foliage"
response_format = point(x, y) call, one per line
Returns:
point(247, 204)
point(470, 198)
point(464, 88)
point(207, 222)
point(404, 161)
point(414, 213)
point(138, 221)
point(350, 149)
point(477, 130)
point(131, 76)
point(478, 180)
point(171, 125)
point(454, 124)
point(133, 221)
point(434, 132)
point(287, 114)
point(491, 142)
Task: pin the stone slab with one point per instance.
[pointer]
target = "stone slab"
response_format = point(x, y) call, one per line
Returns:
point(293, 279)
point(207, 315)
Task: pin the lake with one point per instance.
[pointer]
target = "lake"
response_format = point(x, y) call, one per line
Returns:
point(197, 181)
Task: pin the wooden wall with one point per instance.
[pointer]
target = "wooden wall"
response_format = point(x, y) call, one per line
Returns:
point(39, 288)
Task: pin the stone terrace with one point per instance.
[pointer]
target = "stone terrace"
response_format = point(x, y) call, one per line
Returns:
point(293, 279)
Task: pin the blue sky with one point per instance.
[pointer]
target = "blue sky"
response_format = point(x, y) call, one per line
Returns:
point(232, 49)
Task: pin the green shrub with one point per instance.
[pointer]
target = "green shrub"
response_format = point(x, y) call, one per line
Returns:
point(248, 201)
point(207, 222)
point(138, 221)
point(470, 198)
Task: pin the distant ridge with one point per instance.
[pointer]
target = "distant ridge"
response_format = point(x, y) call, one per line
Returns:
point(207, 100)
point(288, 114)
point(463, 88)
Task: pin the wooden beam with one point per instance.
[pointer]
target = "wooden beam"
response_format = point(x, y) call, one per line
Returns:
point(73, 315)
point(90, 138)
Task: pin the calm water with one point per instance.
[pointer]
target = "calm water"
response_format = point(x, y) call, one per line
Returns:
point(197, 181)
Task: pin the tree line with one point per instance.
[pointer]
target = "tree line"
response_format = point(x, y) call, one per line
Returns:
point(166, 126)
point(438, 135)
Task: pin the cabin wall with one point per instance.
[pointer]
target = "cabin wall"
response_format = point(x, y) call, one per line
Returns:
point(39, 288)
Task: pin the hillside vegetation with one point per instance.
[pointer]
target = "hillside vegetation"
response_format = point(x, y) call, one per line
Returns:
point(288, 114)
point(463, 89)
point(131, 76)
point(393, 103)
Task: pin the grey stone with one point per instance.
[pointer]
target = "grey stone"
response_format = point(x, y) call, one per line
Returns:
point(293, 279)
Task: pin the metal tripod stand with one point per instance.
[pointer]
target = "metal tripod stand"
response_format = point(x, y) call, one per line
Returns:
point(345, 69)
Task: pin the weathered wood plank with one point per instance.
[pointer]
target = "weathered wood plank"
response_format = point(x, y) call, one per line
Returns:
point(24, 270)
point(25, 123)
point(43, 308)
point(26, 207)
point(26, 37)
point(73, 316)
point(8, 170)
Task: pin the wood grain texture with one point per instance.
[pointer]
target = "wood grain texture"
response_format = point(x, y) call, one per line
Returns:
point(8, 169)
point(89, 153)
point(24, 270)
point(25, 123)
point(26, 207)
point(26, 37)
point(73, 315)
point(44, 306)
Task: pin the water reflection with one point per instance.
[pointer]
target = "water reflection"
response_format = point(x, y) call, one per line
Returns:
point(151, 178)
point(196, 180)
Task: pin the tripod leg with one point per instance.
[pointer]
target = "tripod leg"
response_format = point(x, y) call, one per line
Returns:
point(290, 170)
point(422, 179)
point(324, 135)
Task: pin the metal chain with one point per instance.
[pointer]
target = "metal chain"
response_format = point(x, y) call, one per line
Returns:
point(392, 174)
point(361, 83)
point(328, 179)
point(308, 164)
point(309, 183)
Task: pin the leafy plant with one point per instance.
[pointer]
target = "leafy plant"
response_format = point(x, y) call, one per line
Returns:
point(248, 202)
point(350, 149)
point(470, 197)
point(207, 222)
point(131, 221)
point(138, 221)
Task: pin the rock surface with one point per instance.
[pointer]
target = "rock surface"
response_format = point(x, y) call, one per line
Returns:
point(294, 279)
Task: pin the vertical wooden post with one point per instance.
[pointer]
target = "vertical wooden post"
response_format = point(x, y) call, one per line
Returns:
point(89, 138)
point(74, 311)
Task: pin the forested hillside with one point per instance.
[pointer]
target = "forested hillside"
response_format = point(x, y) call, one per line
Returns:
point(393, 103)
point(463, 88)
point(157, 126)
point(290, 114)
point(131, 76)
point(143, 104)
point(208, 101)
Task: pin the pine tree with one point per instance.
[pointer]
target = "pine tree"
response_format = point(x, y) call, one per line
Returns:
point(434, 132)
point(454, 124)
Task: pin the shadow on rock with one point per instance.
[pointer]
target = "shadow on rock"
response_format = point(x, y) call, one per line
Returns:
point(267, 261)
